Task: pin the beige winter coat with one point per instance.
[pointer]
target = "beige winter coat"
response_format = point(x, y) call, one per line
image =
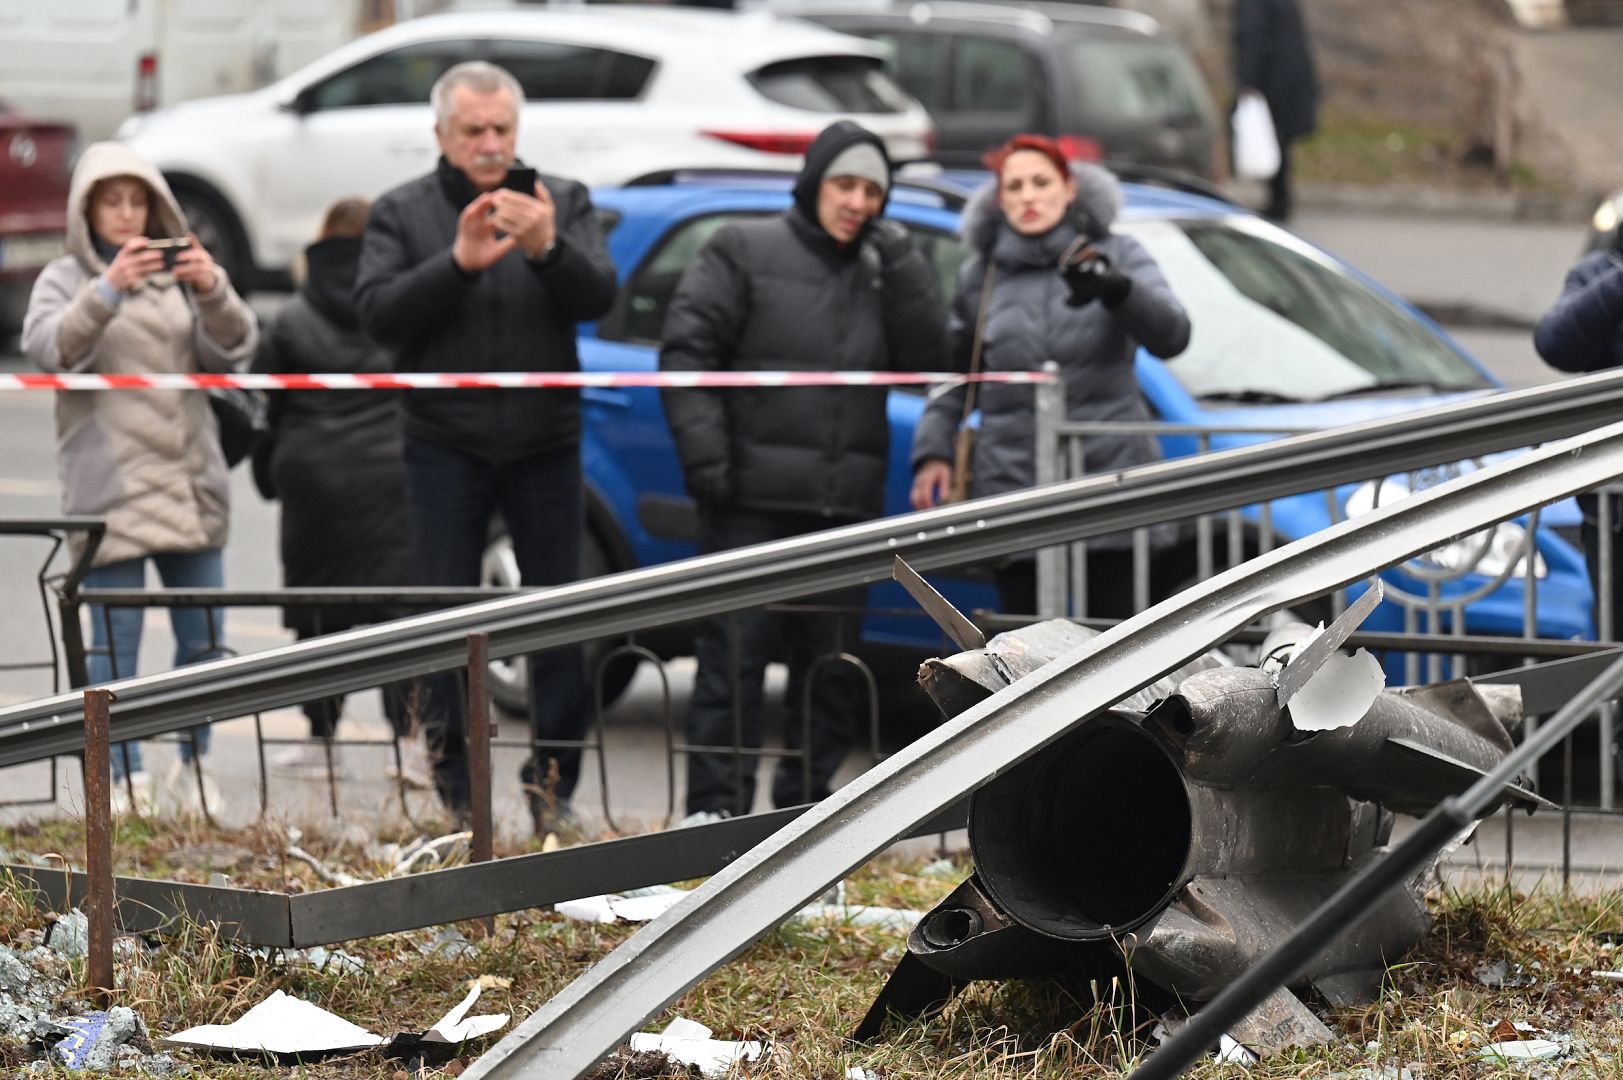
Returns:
point(148, 461)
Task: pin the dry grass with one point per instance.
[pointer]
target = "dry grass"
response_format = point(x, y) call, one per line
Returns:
point(804, 986)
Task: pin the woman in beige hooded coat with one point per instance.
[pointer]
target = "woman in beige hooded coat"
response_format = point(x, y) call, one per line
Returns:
point(148, 461)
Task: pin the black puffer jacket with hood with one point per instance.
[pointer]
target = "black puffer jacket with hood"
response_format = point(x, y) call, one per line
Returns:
point(780, 294)
point(1029, 322)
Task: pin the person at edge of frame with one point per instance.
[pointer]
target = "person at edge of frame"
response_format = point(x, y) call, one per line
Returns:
point(147, 461)
point(1582, 332)
point(1273, 55)
point(1063, 285)
point(828, 285)
point(459, 273)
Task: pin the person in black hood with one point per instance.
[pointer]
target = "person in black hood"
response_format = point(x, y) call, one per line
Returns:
point(459, 272)
point(828, 285)
point(333, 459)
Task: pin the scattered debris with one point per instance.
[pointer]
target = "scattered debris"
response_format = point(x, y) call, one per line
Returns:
point(279, 1025)
point(1499, 975)
point(450, 943)
point(689, 1042)
point(69, 935)
point(945, 869)
point(1522, 1050)
point(92, 1041)
point(856, 1072)
point(315, 958)
point(442, 1041)
point(637, 905)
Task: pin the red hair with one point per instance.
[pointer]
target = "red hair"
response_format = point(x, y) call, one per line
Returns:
point(1042, 144)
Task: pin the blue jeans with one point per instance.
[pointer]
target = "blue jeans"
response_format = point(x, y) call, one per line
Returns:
point(452, 498)
point(192, 627)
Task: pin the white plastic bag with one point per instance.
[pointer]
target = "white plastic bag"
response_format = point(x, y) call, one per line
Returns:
point(1256, 149)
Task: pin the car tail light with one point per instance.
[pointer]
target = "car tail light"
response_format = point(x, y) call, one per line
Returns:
point(768, 142)
point(146, 82)
point(1080, 148)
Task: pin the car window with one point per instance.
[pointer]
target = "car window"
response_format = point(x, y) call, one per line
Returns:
point(553, 71)
point(831, 84)
point(400, 77)
point(920, 65)
point(1137, 79)
point(991, 76)
point(648, 293)
point(1272, 318)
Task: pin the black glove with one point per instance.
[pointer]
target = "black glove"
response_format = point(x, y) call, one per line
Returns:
point(890, 239)
point(711, 487)
point(1089, 276)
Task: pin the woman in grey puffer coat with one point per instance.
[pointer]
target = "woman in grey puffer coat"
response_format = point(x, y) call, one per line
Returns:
point(1064, 288)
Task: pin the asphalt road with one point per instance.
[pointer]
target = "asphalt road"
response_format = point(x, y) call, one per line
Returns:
point(1493, 273)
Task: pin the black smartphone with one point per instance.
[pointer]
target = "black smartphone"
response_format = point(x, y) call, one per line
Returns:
point(171, 247)
point(520, 178)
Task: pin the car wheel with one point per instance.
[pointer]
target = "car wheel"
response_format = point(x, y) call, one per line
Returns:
point(218, 229)
point(509, 687)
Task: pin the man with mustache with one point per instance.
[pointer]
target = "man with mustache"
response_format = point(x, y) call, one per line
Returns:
point(459, 273)
point(826, 286)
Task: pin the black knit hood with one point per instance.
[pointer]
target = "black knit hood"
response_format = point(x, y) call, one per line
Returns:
point(330, 286)
point(829, 144)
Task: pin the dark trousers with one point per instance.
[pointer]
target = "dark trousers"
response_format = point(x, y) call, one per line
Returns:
point(1110, 585)
point(739, 645)
point(452, 498)
point(1280, 206)
point(1589, 535)
point(324, 712)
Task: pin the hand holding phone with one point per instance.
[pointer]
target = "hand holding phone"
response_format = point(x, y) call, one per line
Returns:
point(170, 248)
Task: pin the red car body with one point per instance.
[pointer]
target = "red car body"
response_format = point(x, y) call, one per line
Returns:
point(36, 166)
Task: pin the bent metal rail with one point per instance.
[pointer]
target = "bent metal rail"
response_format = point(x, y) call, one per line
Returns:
point(984, 529)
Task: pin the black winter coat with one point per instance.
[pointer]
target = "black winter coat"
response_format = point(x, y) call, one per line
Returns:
point(518, 315)
point(779, 294)
point(1273, 54)
point(333, 457)
point(1584, 330)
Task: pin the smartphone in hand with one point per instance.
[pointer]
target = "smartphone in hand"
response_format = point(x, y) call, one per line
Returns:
point(170, 247)
point(520, 178)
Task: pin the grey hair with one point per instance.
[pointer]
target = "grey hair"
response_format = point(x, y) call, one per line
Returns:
point(477, 75)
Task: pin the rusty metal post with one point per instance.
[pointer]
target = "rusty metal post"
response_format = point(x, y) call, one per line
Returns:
point(99, 903)
point(479, 756)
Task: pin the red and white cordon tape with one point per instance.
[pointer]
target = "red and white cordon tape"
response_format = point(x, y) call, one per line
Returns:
point(508, 380)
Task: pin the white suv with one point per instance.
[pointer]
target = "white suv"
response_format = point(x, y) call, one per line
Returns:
point(613, 92)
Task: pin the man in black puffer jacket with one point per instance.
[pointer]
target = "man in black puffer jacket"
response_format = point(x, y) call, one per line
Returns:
point(1584, 332)
point(458, 273)
point(827, 286)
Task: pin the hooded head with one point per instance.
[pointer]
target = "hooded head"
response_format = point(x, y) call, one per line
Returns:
point(101, 164)
point(845, 180)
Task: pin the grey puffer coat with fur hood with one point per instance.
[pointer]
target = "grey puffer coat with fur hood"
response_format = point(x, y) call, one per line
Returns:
point(1028, 322)
point(149, 461)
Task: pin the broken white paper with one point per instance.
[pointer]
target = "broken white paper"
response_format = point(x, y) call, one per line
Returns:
point(689, 1042)
point(1522, 1050)
point(457, 1026)
point(644, 906)
point(1338, 694)
point(279, 1025)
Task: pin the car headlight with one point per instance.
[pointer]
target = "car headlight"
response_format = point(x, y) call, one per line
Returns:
point(1489, 552)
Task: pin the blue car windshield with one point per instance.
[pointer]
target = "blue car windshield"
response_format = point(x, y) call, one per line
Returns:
point(1275, 320)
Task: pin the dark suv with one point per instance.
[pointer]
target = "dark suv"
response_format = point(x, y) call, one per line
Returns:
point(1112, 84)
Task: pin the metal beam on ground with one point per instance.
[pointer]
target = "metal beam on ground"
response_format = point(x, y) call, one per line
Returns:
point(597, 1011)
point(966, 532)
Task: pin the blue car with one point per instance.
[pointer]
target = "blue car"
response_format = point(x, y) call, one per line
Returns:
point(1285, 338)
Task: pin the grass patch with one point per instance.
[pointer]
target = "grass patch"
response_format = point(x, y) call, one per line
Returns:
point(1493, 958)
point(1372, 151)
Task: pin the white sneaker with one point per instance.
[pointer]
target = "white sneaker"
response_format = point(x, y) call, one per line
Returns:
point(413, 770)
point(140, 783)
point(703, 817)
point(182, 782)
point(308, 760)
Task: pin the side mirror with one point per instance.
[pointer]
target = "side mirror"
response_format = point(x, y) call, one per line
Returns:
point(303, 103)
